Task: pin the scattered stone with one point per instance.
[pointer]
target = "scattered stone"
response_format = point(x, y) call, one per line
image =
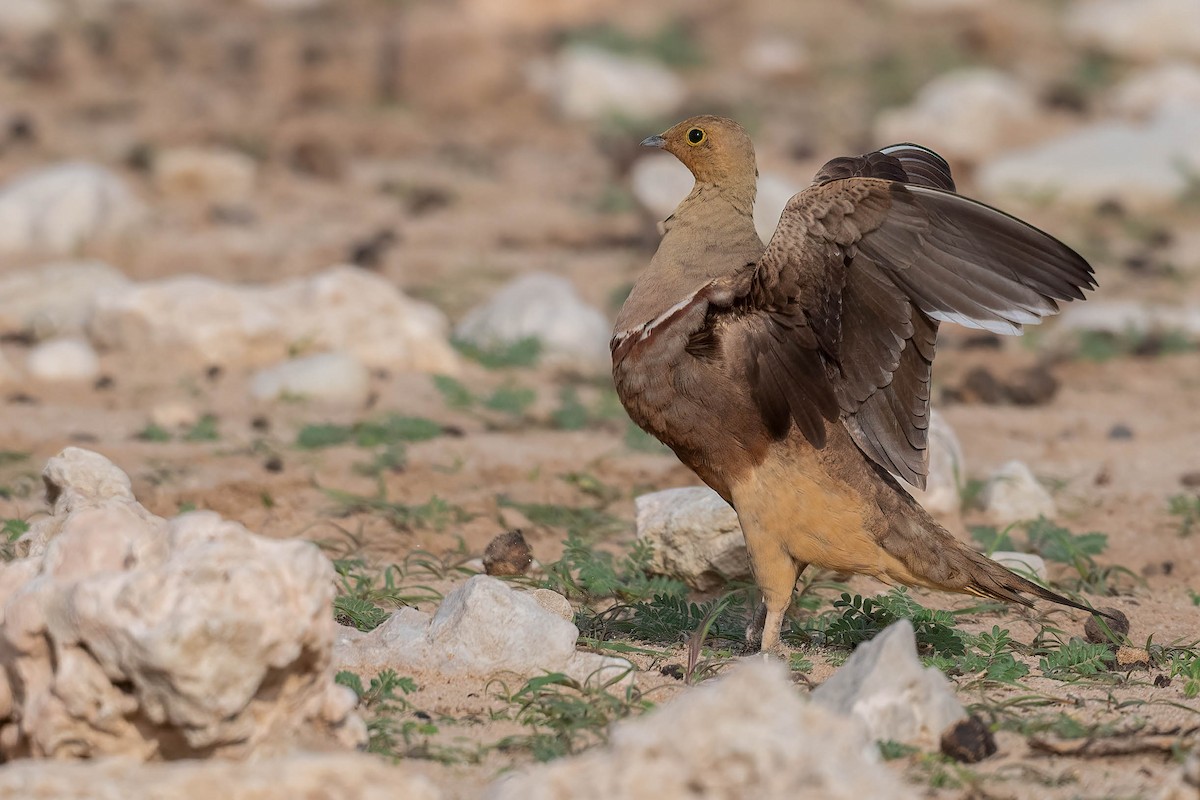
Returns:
point(1190, 479)
point(1161, 681)
point(1032, 386)
point(212, 174)
point(507, 554)
point(969, 741)
point(199, 320)
point(67, 359)
point(660, 182)
point(1120, 431)
point(1144, 166)
point(555, 603)
point(775, 58)
point(694, 536)
point(747, 734)
point(588, 83)
point(329, 776)
point(1167, 85)
point(57, 209)
point(317, 157)
point(672, 671)
point(54, 299)
point(1147, 30)
point(127, 634)
point(1012, 494)
point(332, 378)
point(546, 307)
point(1024, 564)
point(482, 628)
point(968, 114)
point(942, 495)
point(1094, 633)
point(28, 17)
point(884, 684)
point(174, 415)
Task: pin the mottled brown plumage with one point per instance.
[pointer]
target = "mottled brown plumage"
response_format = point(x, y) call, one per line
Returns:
point(794, 378)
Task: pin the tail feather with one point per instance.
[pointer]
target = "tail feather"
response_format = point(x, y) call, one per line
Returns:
point(990, 579)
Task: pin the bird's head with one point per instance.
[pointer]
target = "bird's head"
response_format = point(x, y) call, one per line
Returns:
point(717, 150)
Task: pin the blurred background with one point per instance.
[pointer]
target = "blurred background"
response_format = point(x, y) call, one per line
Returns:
point(181, 179)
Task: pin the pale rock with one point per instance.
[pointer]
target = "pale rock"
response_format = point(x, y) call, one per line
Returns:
point(776, 57)
point(942, 495)
point(1024, 564)
point(1147, 30)
point(328, 776)
point(1168, 85)
point(214, 174)
point(525, 15)
point(745, 734)
point(54, 299)
point(589, 83)
point(694, 536)
point(1124, 317)
point(660, 182)
point(1143, 166)
point(348, 309)
point(1183, 783)
point(482, 628)
point(124, 633)
point(545, 307)
point(884, 684)
point(1012, 494)
point(345, 309)
point(333, 378)
point(28, 17)
point(943, 6)
point(555, 603)
point(969, 114)
point(59, 208)
point(174, 415)
point(66, 359)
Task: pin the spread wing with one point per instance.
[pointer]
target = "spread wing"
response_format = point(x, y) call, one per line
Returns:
point(839, 319)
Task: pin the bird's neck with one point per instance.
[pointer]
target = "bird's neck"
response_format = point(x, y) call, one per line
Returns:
point(739, 196)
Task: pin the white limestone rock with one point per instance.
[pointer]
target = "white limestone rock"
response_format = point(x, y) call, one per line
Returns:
point(54, 299)
point(884, 684)
point(127, 634)
point(328, 776)
point(28, 17)
point(1143, 166)
point(332, 378)
point(1122, 317)
point(56, 209)
point(1146, 30)
point(745, 734)
point(695, 536)
point(942, 495)
point(1173, 84)
point(213, 174)
point(63, 360)
point(589, 83)
point(969, 114)
point(1012, 494)
point(482, 628)
point(199, 319)
point(546, 307)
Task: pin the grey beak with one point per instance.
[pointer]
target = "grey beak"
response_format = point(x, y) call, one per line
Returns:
point(654, 141)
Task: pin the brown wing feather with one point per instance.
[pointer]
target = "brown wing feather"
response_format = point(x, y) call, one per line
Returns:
point(840, 318)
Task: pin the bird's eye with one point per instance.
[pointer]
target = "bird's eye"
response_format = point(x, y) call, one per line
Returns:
point(696, 136)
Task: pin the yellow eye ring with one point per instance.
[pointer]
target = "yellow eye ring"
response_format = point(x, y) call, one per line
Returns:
point(696, 137)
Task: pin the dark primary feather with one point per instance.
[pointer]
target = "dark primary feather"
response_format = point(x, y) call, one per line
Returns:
point(840, 320)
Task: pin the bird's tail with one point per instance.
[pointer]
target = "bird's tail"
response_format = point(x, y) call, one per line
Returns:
point(934, 558)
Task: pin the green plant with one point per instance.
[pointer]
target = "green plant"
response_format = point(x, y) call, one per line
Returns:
point(205, 430)
point(511, 399)
point(567, 716)
point(1187, 666)
point(1076, 659)
point(453, 392)
point(522, 353)
point(386, 706)
point(434, 513)
point(391, 429)
point(586, 573)
point(571, 414)
point(856, 619)
point(1187, 509)
point(582, 521)
point(153, 433)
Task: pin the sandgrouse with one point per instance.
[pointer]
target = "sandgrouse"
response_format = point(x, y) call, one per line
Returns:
point(794, 378)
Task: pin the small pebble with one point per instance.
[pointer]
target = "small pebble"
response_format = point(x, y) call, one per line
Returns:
point(507, 554)
point(273, 464)
point(1120, 431)
point(969, 741)
point(1190, 479)
point(1094, 633)
point(672, 671)
point(1161, 681)
point(1132, 657)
